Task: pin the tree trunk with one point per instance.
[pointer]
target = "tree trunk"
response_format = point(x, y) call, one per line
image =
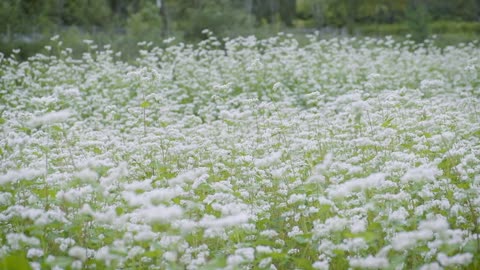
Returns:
point(318, 10)
point(164, 15)
point(249, 6)
point(287, 11)
point(351, 13)
point(273, 10)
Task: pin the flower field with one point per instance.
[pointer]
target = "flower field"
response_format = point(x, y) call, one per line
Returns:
point(242, 154)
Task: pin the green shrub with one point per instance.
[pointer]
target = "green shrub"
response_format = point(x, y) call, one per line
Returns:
point(440, 27)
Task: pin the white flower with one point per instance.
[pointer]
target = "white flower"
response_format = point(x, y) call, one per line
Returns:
point(459, 259)
point(438, 224)
point(34, 252)
point(264, 263)
point(187, 177)
point(405, 240)
point(294, 198)
point(78, 253)
point(264, 249)
point(144, 236)
point(269, 233)
point(370, 262)
point(17, 240)
point(160, 214)
point(14, 175)
point(77, 264)
point(423, 173)
point(50, 118)
point(228, 221)
point(321, 265)
point(170, 256)
point(104, 254)
point(87, 175)
point(344, 189)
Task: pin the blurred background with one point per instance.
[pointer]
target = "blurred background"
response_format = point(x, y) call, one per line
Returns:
point(28, 25)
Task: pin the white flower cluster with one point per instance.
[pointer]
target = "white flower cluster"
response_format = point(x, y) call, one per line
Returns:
point(243, 154)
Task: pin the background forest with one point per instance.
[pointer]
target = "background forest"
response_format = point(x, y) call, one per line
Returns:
point(29, 24)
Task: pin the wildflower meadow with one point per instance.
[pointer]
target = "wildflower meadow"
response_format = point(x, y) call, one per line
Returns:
point(242, 153)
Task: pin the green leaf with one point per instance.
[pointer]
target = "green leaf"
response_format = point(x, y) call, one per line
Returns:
point(145, 104)
point(279, 256)
point(16, 261)
point(62, 261)
point(218, 262)
point(476, 133)
point(339, 252)
point(2, 121)
point(368, 236)
point(427, 135)
point(471, 247)
point(303, 263)
point(397, 260)
point(97, 150)
point(387, 122)
point(264, 242)
point(153, 253)
point(119, 210)
point(303, 239)
point(57, 128)
point(26, 130)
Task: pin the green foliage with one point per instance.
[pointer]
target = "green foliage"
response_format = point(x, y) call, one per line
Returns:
point(220, 18)
point(16, 261)
point(27, 25)
point(440, 27)
point(87, 13)
point(417, 20)
point(145, 24)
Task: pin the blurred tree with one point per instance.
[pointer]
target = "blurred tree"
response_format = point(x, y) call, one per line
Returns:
point(145, 24)
point(267, 11)
point(287, 11)
point(9, 18)
point(318, 9)
point(477, 7)
point(220, 16)
point(29, 21)
point(454, 10)
point(341, 13)
point(87, 13)
point(162, 6)
point(351, 14)
point(312, 10)
point(264, 11)
point(119, 7)
point(418, 19)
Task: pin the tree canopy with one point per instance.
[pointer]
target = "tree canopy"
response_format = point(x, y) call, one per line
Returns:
point(191, 16)
point(31, 22)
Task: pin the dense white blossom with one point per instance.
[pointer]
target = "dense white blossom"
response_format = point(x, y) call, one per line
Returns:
point(242, 154)
point(50, 118)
